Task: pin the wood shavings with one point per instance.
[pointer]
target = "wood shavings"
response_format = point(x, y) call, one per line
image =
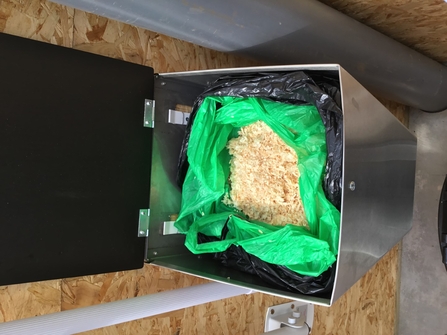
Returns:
point(264, 177)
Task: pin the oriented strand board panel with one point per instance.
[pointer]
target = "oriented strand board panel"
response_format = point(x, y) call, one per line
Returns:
point(239, 315)
point(93, 290)
point(39, 20)
point(401, 112)
point(31, 299)
point(419, 24)
point(165, 54)
point(368, 308)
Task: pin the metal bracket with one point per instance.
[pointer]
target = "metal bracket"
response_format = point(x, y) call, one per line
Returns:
point(149, 113)
point(297, 315)
point(177, 117)
point(143, 223)
point(169, 229)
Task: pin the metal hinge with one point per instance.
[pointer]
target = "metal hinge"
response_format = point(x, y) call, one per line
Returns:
point(143, 223)
point(177, 117)
point(149, 113)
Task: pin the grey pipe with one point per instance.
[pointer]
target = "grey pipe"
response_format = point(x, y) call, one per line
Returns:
point(290, 32)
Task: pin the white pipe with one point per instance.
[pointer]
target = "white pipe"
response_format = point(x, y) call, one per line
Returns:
point(93, 317)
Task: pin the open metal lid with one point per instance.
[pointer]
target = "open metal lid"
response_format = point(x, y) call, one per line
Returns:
point(74, 161)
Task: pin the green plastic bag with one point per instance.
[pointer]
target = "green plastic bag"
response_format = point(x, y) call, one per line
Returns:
point(217, 121)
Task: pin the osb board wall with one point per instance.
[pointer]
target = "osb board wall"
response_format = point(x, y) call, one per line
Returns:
point(239, 315)
point(419, 24)
point(38, 20)
point(115, 39)
point(368, 308)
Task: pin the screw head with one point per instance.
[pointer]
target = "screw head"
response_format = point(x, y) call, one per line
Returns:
point(142, 232)
point(155, 253)
point(162, 83)
point(352, 185)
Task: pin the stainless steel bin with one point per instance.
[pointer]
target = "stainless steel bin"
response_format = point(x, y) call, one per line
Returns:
point(379, 156)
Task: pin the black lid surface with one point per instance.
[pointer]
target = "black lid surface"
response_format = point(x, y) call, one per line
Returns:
point(74, 161)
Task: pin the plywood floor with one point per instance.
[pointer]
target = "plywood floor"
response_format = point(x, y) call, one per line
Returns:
point(368, 308)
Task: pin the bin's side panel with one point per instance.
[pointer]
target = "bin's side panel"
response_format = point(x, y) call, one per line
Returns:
point(378, 183)
point(168, 137)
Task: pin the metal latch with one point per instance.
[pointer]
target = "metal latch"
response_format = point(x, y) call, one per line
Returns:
point(177, 117)
point(143, 223)
point(169, 228)
point(149, 113)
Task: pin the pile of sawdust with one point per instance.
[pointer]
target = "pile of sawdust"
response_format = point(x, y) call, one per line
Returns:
point(264, 177)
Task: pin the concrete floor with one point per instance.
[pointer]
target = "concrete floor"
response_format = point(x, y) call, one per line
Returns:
point(423, 294)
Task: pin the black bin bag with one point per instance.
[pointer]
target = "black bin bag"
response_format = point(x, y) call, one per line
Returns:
point(300, 88)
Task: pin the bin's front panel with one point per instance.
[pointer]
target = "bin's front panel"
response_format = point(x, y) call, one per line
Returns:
point(206, 267)
point(74, 161)
point(378, 183)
